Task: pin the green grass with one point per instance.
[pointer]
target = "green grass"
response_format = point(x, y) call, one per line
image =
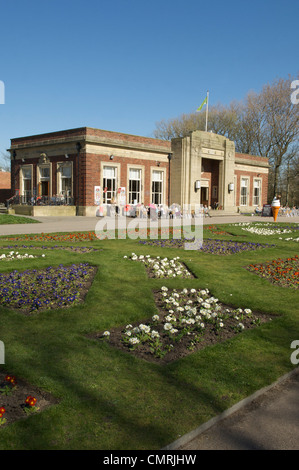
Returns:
point(111, 400)
point(16, 219)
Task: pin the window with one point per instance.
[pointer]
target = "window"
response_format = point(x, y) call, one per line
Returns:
point(66, 180)
point(44, 181)
point(27, 183)
point(109, 183)
point(244, 191)
point(134, 185)
point(256, 192)
point(157, 187)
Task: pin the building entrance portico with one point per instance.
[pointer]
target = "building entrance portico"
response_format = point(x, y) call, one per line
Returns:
point(202, 170)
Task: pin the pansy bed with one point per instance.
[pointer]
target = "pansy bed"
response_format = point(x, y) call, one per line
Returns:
point(281, 272)
point(162, 267)
point(18, 399)
point(53, 287)
point(187, 320)
point(209, 245)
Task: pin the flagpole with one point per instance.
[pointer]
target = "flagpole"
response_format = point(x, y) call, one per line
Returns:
point(207, 111)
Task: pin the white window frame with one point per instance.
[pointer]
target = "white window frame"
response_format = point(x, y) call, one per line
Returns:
point(257, 199)
point(60, 191)
point(140, 168)
point(246, 196)
point(162, 192)
point(114, 193)
point(26, 196)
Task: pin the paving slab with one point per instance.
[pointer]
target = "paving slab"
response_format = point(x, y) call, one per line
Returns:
point(267, 421)
point(82, 223)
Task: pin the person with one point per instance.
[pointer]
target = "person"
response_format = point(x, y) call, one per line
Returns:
point(258, 210)
point(206, 211)
point(141, 210)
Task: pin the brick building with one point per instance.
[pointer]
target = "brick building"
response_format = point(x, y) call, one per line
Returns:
point(5, 189)
point(73, 171)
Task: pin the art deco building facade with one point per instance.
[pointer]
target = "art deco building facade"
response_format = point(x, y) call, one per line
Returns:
point(74, 171)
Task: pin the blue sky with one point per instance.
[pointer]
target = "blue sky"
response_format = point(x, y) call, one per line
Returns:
point(124, 65)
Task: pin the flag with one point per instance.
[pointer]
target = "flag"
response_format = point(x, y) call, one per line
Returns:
point(202, 104)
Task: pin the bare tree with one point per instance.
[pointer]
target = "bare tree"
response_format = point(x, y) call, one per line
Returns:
point(5, 161)
point(275, 125)
point(265, 124)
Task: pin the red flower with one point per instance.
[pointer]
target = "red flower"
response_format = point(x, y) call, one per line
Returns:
point(31, 401)
point(11, 379)
point(2, 411)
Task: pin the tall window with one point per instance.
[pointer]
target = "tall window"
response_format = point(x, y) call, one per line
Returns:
point(44, 180)
point(157, 187)
point(27, 183)
point(66, 180)
point(134, 185)
point(257, 192)
point(244, 192)
point(109, 183)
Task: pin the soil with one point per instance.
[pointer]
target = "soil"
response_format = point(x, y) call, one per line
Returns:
point(14, 403)
point(188, 343)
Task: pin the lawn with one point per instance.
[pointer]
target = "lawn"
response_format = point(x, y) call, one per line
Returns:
point(16, 219)
point(109, 397)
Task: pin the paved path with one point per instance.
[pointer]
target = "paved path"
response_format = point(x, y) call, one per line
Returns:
point(81, 223)
point(269, 422)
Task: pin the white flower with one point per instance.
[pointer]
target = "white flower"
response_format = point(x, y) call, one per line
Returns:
point(155, 317)
point(106, 333)
point(155, 334)
point(134, 340)
point(167, 326)
point(144, 328)
point(136, 330)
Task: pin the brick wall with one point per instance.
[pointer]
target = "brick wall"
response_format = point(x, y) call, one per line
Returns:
point(251, 175)
point(91, 168)
point(4, 180)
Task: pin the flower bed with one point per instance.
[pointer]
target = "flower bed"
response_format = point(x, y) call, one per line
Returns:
point(212, 246)
point(74, 237)
point(163, 267)
point(19, 399)
point(76, 249)
point(16, 255)
point(281, 272)
point(259, 228)
point(53, 287)
point(187, 320)
point(218, 231)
